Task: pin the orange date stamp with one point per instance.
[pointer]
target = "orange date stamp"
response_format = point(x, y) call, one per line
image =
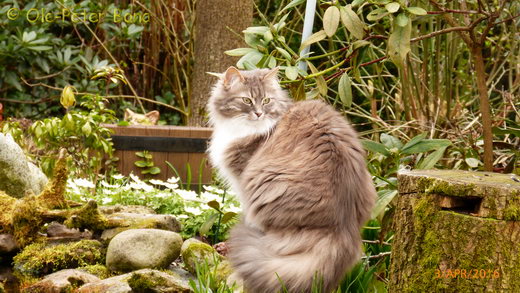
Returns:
point(467, 274)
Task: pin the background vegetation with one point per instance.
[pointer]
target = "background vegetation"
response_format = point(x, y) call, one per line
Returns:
point(428, 84)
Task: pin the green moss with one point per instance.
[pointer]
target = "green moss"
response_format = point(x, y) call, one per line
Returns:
point(88, 216)
point(512, 212)
point(145, 282)
point(2, 290)
point(434, 185)
point(194, 253)
point(98, 270)
point(40, 259)
point(6, 209)
point(27, 219)
point(53, 196)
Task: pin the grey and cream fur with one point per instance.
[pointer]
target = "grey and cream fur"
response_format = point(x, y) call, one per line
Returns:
point(299, 170)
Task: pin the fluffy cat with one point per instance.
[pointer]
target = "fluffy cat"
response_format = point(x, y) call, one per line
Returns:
point(300, 173)
point(150, 118)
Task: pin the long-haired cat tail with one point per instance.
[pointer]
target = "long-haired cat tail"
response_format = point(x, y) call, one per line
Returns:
point(299, 170)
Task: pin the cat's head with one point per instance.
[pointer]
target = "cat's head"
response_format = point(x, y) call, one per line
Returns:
point(252, 97)
point(150, 118)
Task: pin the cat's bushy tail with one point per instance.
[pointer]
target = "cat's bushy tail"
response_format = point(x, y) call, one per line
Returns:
point(269, 263)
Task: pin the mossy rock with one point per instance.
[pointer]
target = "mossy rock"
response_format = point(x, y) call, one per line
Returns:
point(87, 217)
point(6, 209)
point(196, 253)
point(157, 281)
point(145, 280)
point(40, 259)
point(98, 270)
point(456, 231)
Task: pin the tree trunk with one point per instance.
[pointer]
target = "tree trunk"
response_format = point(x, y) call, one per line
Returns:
point(478, 60)
point(456, 231)
point(215, 24)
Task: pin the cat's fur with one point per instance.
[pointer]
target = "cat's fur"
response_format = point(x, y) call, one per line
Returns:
point(150, 118)
point(302, 180)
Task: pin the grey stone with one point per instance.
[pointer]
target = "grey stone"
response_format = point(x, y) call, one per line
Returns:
point(143, 248)
point(17, 174)
point(126, 221)
point(7, 244)
point(62, 281)
point(145, 280)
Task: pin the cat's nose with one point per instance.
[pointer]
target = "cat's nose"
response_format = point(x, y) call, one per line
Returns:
point(258, 114)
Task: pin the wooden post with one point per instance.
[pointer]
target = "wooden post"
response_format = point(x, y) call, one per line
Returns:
point(216, 23)
point(456, 231)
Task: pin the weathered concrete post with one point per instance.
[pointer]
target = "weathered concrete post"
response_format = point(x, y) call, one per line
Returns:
point(456, 231)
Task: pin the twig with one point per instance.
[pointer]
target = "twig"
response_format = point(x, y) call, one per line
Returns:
point(443, 31)
point(376, 242)
point(382, 254)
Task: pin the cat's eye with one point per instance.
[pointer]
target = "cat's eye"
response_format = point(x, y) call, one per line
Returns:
point(247, 100)
point(266, 101)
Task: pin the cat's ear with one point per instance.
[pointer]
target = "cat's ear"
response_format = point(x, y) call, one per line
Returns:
point(271, 73)
point(230, 75)
point(153, 116)
point(128, 113)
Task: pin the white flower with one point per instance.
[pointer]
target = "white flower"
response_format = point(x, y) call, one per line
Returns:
point(118, 176)
point(84, 183)
point(193, 211)
point(213, 189)
point(173, 180)
point(135, 178)
point(187, 194)
point(182, 216)
point(156, 182)
point(106, 200)
point(162, 194)
point(171, 186)
point(234, 209)
point(141, 186)
point(108, 191)
point(207, 196)
point(108, 185)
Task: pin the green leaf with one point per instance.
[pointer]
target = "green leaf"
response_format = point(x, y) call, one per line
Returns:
point(472, 162)
point(426, 145)
point(352, 22)
point(227, 217)
point(504, 131)
point(384, 198)
point(375, 147)
point(331, 20)
point(402, 19)
point(239, 51)
point(141, 164)
point(154, 170)
point(12, 79)
point(391, 141)
point(345, 90)
point(392, 7)
point(432, 159)
point(316, 37)
point(377, 14)
point(417, 10)
point(259, 30)
point(214, 204)
point(321, 83)
point(292, 4)
point(284, 53)
point(39, 48)
point(28, 37)
point(399, 43)
point(414, 141)
point(204, 229)
point(140, 154)
point(291, 72)
point(252, 57)
point(86, 129)
point(359, 44)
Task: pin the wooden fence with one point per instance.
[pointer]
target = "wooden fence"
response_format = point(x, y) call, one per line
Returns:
point(183, 147)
